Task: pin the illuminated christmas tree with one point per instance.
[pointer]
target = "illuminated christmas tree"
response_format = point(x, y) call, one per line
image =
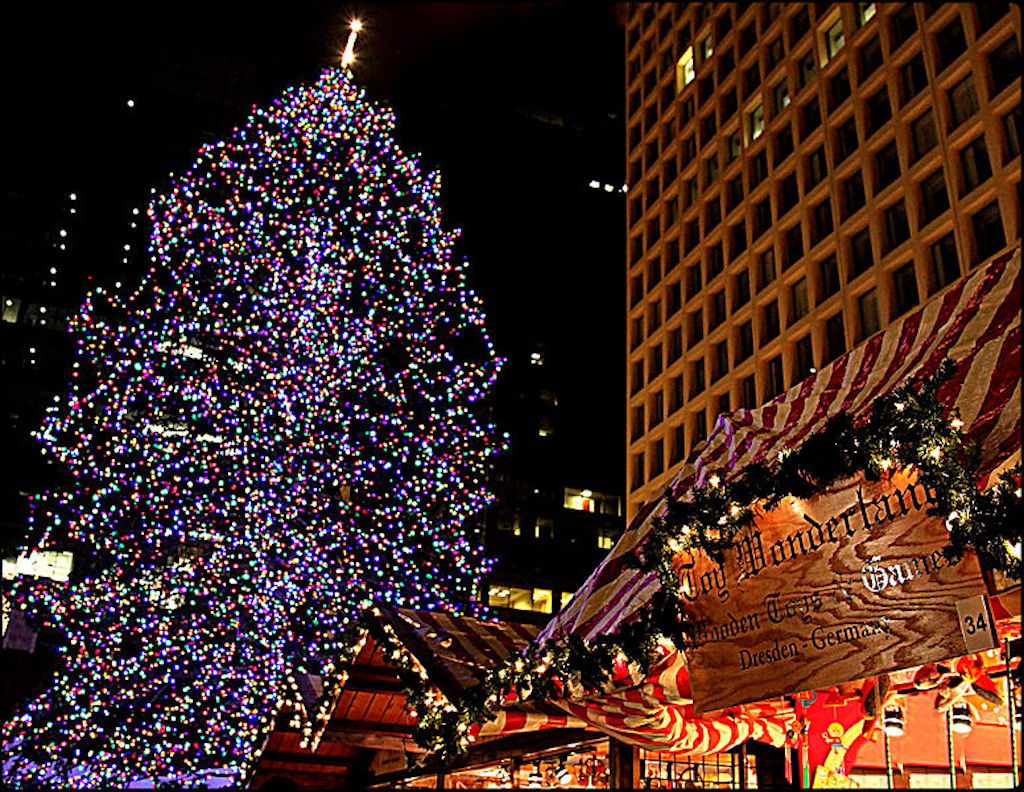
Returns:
point(281, 423)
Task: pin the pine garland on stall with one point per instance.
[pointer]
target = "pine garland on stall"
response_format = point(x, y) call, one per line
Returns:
point(908, 428)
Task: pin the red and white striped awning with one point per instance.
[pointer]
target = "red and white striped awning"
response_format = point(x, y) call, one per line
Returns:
point(456, 649)
point(658, 714)
point(975, 322)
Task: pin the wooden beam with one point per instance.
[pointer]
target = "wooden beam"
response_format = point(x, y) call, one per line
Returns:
point(343, 726)
point(378, 742)
point(360, 734)
point(512, 746)
point(515, 745)
point(304, 758)
point(362, 682)
point(307, 779)
point(623, 765)
point(358, 738)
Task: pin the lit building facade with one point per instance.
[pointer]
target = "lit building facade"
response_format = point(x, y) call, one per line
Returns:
point(800, 175)
point(545, 529)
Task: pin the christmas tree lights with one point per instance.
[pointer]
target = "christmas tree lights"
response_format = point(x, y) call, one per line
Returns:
point(279, 424)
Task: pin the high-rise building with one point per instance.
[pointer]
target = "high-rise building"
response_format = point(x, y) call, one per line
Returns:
point(800, 175)
point(552, 520)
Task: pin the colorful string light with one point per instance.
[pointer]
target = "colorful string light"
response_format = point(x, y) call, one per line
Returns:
point(282, 422)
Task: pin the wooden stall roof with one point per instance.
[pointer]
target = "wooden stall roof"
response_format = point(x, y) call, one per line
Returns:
point(370, 731)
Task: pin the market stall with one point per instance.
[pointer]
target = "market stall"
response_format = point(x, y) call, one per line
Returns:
point(368, 736)
point(801, 552)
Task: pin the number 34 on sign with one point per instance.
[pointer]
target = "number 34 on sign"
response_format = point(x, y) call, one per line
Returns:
point(976, 623)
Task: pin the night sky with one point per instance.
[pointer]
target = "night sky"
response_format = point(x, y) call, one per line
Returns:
point(518, 104)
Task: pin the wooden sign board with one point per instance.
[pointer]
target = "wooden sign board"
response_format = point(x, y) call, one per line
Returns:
point(845, 586)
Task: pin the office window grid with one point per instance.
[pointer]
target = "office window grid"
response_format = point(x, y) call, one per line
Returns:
point(758, 173)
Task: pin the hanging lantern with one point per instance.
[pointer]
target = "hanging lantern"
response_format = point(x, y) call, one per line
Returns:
point(893, 722)
point(961, 719)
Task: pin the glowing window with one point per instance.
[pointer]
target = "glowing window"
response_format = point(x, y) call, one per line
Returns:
point(541, 600)
point(10, 307)
point(929, 781)
point(834, 39)
point(755, 122)
point(707, 48)
point(981, 780)
point(685, 69)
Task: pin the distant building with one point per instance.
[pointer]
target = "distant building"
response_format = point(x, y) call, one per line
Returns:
point(800, 175)
point(37, 293)
point(546, 529)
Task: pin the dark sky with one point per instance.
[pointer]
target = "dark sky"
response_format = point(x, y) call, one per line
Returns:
point(518, 104)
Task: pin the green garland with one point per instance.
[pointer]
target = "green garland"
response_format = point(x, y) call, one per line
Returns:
point(907, 428)
point(555, 670)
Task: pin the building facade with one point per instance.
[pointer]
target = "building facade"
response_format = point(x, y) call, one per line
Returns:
point(800, 175)
point(551, 521)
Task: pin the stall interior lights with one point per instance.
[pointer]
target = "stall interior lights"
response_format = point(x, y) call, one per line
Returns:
point(893, 722)
point(562, 774)
point(961, 720)
point(535, 780)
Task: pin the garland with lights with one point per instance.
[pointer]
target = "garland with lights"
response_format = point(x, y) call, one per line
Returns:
point(281, 423)
point(909, 427)
point(555, 670)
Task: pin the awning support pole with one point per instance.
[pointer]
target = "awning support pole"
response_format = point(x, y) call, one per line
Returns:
point(949, 748)
point(1012, 715)
point(888, 759)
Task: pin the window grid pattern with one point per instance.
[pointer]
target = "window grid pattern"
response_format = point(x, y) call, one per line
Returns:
point(673, 169)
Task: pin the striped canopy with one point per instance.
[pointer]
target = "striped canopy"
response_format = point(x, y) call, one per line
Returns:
point(456, 649)
point(975, 322)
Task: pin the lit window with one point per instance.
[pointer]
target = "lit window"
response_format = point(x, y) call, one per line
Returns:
point(685, 70)
point(11, 306)
point(707, 48)
point(544, 528)
point(864, 13)
point(498, 595)
point(542, 600)
point(981, 780)
point(605, 538)
point(929, 781)
point(755, 122)
point(734, 149)
point(834, 39)
point(565, 599)
point(781, 97)
point(579, 500)
point(870, 780)
point(518, 598)
point(48, 563)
